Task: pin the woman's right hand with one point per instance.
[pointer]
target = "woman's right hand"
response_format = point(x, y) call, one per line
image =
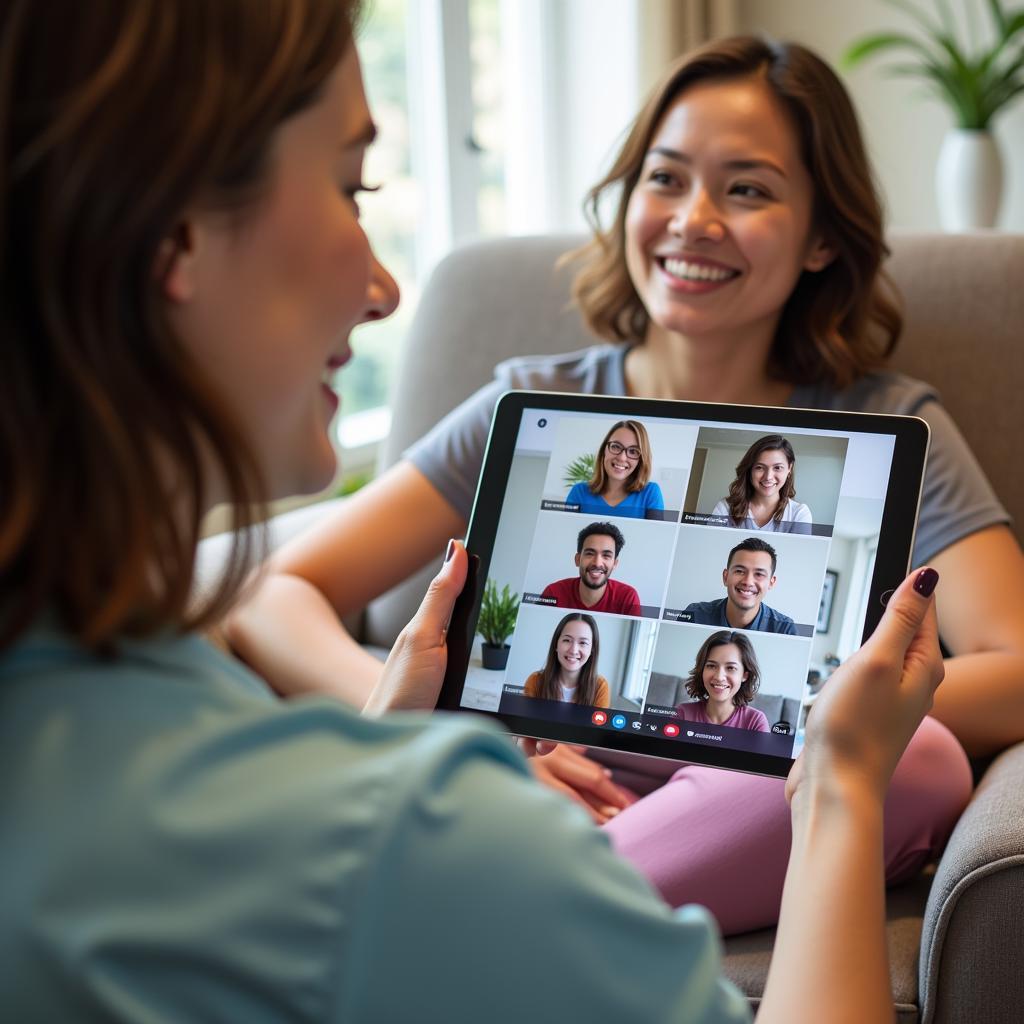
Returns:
point(873, 703)
point(566, 769)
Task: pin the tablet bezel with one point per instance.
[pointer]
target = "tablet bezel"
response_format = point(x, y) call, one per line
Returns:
point(892, 559)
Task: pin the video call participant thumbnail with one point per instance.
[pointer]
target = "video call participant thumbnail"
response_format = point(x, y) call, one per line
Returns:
point(748, 575)
point(570, 673)
point(621, 484)
point(597, 554)
point(723, 682)
point(763, 495)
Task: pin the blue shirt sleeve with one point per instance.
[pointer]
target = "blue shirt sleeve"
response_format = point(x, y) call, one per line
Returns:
point(653, 497)
point(496, 900)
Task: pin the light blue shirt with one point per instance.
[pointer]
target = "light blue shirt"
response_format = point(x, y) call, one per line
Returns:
point(178, 845)
point(634, 505)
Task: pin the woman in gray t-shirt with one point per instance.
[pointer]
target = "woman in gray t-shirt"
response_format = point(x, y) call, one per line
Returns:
point(743, 264)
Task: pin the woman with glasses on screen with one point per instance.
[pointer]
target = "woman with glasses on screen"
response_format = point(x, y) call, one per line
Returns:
point(621, 483)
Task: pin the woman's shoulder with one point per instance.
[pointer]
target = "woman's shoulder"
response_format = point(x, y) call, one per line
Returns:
point(753, 719)
point(879, 391)
point(597, 369)
point(532, 685)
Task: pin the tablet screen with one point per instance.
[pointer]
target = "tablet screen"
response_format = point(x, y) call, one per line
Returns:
point(690, 581)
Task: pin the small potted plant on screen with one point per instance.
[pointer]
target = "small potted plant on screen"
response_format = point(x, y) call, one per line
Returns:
point(496, 622)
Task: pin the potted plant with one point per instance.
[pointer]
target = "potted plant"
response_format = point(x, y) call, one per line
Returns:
point(580, 470)
point(497, 620)
point(977, 83)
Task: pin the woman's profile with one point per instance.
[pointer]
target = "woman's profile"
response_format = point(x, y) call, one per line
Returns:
point(621, 484)
point(570, 672)
point(723, 681)
point(763, 495)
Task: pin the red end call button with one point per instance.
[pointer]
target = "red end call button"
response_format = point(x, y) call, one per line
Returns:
point(671, 730)
point(599, 717)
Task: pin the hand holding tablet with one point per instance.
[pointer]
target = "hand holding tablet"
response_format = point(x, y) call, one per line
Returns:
point(711, 621)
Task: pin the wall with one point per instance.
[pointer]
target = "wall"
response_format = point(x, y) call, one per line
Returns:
point(903, 128)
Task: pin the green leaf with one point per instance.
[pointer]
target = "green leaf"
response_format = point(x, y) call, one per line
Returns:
point(498, 612)
point(918, 14)
point(998, 15)
point(580, 470)
point(870, 45)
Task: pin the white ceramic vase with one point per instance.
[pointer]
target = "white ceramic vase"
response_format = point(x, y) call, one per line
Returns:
point(968, 180)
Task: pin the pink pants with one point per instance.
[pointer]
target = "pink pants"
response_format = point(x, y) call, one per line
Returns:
point(722, 838)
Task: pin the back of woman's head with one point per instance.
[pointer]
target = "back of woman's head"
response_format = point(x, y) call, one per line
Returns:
point(839, 322)
point(114, 118)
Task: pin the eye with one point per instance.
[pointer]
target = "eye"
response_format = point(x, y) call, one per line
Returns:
point(661, 177)
point(748, 191)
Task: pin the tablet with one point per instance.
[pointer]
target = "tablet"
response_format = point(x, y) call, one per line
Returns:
point(677, 579)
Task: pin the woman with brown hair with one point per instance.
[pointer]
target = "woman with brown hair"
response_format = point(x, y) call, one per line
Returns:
point(723, 681)
point(763, 495)
point(743, 263)
point(181, 263)
point(621, 483)
point(570, 672)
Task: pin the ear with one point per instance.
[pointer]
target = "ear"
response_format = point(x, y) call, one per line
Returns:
point(771, 582)
point(819, 255)
point(175, 266)
point(577, 559)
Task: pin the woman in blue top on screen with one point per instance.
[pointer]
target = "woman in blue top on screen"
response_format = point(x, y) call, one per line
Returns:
point(763, 495)
point(723, 681)
point(621, 484)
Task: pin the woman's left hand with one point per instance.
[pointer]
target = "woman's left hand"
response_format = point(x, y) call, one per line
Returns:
point(566, 769)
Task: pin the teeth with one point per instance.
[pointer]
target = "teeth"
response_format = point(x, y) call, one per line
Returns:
point(696, 271)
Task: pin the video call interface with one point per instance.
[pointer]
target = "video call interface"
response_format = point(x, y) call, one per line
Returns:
point(694, 581)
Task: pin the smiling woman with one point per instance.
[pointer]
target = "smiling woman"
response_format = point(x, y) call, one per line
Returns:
point(621, 484)
point(741, 261)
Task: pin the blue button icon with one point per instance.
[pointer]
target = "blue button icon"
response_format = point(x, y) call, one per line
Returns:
point(619, 721)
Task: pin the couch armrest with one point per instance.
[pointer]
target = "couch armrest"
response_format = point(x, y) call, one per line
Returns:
point(972, 942)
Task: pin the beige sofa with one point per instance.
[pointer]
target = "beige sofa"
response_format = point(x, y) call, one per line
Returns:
point(956, 934)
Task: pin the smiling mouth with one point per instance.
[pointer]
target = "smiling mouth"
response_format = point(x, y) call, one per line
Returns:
point(684, 270)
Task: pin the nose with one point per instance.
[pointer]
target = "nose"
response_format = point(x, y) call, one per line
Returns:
point(696, 217)
point(382, 293)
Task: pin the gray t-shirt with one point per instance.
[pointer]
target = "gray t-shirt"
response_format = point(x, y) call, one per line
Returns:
point(957, 499)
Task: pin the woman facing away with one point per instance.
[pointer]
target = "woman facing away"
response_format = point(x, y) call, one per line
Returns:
point(763, 495)
point(743, 264)
point(178, 843)
point(723, 681)
point(570, 672)
point(621, 484)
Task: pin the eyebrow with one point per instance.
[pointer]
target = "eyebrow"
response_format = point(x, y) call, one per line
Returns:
point(733, 165)
point(364, 136)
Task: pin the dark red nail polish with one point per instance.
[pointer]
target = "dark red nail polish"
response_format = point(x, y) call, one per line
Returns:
point(451, 551)
point(925, 582)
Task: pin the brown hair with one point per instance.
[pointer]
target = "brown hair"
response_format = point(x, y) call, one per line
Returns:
point(748, 688)
point(741, 490)
point(586, 688)
point(640, 476)
point(839, 322)
point(114, 119)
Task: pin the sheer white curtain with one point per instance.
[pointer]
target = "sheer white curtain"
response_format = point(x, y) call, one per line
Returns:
point(671, 27)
